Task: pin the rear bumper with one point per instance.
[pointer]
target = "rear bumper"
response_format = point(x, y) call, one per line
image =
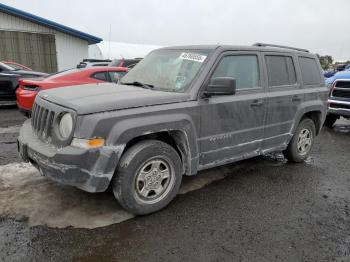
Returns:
point(339, 107)
point(89, 170)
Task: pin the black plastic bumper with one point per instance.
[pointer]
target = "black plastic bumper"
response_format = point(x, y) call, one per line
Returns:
point(89, 170)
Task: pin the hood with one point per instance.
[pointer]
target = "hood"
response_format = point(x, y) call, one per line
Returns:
point(339, 75)
point(94, 98)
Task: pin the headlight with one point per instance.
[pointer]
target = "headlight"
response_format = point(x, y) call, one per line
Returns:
point(66, 125)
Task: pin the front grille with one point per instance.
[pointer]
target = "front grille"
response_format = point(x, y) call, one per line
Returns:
point(42, 121)
point(341, 89)
point(341, 93)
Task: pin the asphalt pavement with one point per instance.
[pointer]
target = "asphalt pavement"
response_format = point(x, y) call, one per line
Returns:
point(262, 209)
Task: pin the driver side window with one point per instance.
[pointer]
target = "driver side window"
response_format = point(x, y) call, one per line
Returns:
point(244, 68)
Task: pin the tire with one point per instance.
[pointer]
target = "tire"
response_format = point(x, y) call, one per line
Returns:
point(330, 120)
point(294, 152)
point(140, 184)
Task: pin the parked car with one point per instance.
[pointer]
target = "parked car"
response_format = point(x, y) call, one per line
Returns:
point(9, 79)
point(328, 74)
point(29, 88)
point(340, 68)
point(93, 62)
point(17, 65)
point(180, 110)
point(129, 63)
point(339, 97)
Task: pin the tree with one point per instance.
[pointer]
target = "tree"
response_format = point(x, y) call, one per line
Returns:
point(325, 61)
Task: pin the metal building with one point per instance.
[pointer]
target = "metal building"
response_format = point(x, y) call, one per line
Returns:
point(39, 43)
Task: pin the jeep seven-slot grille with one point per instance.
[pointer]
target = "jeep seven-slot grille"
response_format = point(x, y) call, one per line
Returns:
point(341, 89)
point(42, 120)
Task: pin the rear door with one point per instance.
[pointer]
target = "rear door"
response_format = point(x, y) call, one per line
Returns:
point(232, 126)
point(284, 96)
point(313, 82)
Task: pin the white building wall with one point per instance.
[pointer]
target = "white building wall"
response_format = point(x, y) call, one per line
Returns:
point(70, 50)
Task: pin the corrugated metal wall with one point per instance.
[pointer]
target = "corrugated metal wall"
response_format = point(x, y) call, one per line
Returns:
point(69, 49)
point(38, 51)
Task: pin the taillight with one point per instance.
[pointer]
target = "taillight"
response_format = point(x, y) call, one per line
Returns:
point(31, 87)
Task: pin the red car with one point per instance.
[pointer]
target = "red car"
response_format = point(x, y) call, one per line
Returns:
point(29, 88)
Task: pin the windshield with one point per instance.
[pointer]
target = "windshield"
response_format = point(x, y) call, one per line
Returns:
point(6, 67)
point(167, 70)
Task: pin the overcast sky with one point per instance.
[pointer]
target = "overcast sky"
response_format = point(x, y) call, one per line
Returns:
point(321, 26)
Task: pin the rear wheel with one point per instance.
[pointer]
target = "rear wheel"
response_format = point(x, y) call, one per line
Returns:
point(302, 141)
point(330, 120)
point(148, 177)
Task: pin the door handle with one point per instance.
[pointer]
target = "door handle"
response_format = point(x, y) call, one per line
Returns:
point(296, 98)
point(257, 103)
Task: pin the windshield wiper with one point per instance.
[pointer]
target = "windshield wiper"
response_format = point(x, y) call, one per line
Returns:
point(137, 83)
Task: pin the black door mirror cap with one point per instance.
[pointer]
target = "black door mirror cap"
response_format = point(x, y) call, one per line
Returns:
point(220, 86)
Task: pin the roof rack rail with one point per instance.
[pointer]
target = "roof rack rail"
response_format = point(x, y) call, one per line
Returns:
point(281, 46)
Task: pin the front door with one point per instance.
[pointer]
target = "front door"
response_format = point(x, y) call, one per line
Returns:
point(232, 126)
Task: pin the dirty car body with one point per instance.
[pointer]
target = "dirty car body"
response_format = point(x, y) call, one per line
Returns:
point(206, 129)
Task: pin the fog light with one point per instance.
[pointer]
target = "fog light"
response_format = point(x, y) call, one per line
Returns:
point(88, 143)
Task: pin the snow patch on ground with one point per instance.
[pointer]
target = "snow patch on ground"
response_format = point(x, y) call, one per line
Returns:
point(24, 192)
point(11, 129)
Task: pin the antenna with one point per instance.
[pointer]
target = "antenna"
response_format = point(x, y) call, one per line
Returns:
point(109, 41)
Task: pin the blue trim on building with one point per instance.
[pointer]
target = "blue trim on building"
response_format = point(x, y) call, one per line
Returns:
point(42, 21)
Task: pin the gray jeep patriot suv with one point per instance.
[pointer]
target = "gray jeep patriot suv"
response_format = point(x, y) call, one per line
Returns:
point(179, 111)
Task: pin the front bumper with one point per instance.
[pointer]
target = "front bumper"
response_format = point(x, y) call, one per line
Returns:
point(88, 169)
point(339, 107)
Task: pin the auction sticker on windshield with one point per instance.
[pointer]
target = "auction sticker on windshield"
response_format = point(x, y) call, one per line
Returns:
point(193, 57)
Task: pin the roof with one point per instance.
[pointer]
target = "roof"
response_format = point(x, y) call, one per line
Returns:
point(242, 48)
point(45, 22)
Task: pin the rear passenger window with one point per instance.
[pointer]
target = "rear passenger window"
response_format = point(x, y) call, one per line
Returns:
point(309, 71)
point(100, 76)
point(244, 68)
point(281, 70)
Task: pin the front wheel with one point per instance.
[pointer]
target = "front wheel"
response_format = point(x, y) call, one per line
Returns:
point(302, 141)
point(148, 177)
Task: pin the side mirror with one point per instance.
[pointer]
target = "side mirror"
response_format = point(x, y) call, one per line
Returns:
point(220, 86)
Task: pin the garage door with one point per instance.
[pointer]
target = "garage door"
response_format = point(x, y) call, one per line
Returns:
point(38, 51)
